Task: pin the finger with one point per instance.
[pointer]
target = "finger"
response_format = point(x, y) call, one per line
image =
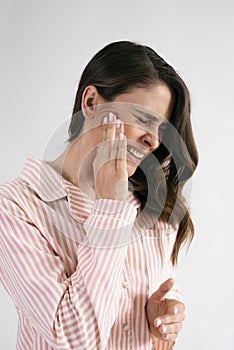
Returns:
point(119, 127)
point(175, 307)
point(163, 289)
point(121, 162)
point(114, 146)
point(122, 147)
point(169, 319)
point(109, 123)
point(171, 328)
point(170, 337)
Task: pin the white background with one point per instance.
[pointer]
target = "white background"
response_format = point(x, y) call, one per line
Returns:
point(44, 48)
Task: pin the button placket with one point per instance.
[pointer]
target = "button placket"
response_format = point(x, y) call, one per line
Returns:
point(125, 284)
point(127, 291)
point(126, 328)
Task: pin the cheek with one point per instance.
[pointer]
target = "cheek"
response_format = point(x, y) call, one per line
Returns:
point(132, 132)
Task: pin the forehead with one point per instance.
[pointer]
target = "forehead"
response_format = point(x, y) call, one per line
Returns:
point(154, 100)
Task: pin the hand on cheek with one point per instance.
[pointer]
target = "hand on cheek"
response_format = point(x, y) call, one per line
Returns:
point(109, 166)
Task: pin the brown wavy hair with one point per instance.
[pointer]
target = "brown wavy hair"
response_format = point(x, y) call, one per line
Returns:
point(118, 68)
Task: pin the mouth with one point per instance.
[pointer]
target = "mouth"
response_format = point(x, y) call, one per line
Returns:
point(134, 154)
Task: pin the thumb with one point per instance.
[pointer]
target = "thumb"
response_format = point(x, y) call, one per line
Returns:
point(163, 289)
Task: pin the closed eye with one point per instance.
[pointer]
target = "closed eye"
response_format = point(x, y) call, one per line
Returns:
point(144, 121)
point(150, 123)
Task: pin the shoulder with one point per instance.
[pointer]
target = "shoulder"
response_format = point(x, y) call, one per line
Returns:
point(14, 189)
point(14, 196)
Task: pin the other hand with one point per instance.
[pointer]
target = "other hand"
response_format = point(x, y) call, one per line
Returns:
point(165, 316)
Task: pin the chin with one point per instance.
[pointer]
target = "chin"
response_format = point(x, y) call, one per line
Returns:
point(131, 168)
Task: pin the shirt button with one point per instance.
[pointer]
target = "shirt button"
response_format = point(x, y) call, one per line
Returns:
point(125, 284)
point(125, 328)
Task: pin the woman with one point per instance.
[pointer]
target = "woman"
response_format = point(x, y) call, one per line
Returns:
point(89, 240)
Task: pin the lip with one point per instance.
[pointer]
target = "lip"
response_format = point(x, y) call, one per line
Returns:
point(138, 149)
point(134, 159)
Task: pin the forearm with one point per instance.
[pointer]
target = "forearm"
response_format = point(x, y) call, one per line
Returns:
point(68, 312)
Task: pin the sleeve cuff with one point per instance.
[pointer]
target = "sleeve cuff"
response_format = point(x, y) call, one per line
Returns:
point(110, 224)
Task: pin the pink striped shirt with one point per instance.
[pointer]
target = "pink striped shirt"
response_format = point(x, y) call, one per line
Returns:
point(79, 271)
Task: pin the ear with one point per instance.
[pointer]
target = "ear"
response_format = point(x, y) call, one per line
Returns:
point(90, 99)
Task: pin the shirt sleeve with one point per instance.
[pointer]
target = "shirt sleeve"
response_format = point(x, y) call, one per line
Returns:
point(70, 312)
point(165, 244)
point(175, 293)
point(161, 345)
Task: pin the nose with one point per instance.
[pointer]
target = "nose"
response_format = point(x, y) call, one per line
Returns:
point(151, 141)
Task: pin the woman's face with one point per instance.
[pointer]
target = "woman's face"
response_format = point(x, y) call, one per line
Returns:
point(144, 112)
point(148, 111)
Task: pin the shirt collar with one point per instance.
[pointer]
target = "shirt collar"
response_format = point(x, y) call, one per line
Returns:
point(50, 186)
point(44, 180)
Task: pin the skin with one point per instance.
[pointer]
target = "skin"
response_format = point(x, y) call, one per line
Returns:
point(99, 163)
point(165, 316)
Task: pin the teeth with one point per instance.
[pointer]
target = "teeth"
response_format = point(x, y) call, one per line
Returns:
point(135, 153)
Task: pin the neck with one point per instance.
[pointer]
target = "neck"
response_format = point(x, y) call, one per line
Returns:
point(75, 164)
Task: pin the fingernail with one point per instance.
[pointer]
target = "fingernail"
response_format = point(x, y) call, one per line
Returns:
point(175, 310)
point(111, 116)
point(118, 123)
point(164, 329)
point(122, 137)
point(165, 336)
point(157, 323)
point(105, 120)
